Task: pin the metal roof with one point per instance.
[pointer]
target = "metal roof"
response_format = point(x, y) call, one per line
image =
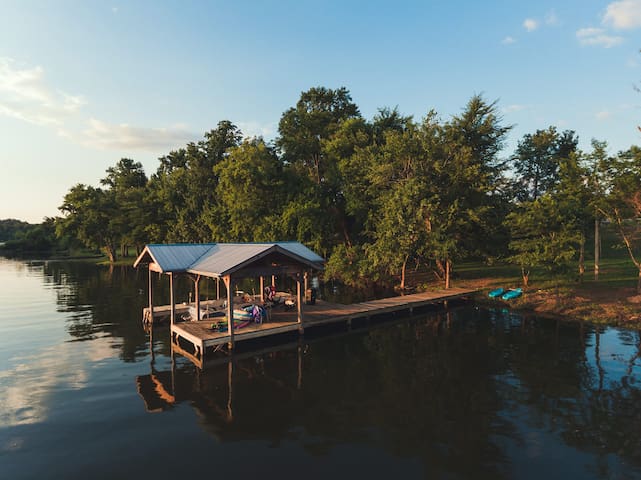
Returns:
point(221, 258)
point(174, 257)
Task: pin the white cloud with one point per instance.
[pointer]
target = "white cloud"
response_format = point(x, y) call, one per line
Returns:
point(624, 14)
point(122, 136)
point(508, 40)
point(552, 19)
point(597, 37)
point(603, 115)
point(530, 24)
point(24, 95)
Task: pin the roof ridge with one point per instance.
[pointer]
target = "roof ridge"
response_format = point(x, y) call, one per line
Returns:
point(211, 246)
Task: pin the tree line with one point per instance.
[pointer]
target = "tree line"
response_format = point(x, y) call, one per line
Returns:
point(374, 197)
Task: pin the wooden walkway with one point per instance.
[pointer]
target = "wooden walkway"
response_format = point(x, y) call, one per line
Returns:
point(201, 336)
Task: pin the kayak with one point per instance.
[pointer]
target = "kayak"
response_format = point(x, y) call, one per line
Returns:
point(510, 294)
point(497, 292)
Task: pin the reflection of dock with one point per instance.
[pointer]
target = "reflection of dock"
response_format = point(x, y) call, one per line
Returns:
point(199, 336)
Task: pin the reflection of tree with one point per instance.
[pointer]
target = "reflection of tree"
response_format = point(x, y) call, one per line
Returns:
point(448, 389)
point(102, 301)
point(417, 394)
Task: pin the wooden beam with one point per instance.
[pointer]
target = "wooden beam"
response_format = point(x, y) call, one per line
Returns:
point(197, 293)
point(262, 289)
point(172, 300)
point(230, 309)
point(151, 298)
point(266, 271)
point(154, 267)
point(299, 301)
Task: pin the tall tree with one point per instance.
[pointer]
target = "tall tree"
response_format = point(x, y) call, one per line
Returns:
point(541, 237)
point(623, 206)
point(251, 194)
point(305, 128)
point(128, 182)
point(574, 198)
point(183, 190)
point(598, 164)
point(91, 215)
point(468, 174)
point(536, 161)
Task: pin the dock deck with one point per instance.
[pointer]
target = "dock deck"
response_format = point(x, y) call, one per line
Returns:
point(200, 335)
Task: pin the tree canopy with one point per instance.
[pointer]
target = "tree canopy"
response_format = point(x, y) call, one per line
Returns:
point(372, 196)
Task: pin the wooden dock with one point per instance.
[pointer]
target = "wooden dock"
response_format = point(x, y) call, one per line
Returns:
point(200, 336)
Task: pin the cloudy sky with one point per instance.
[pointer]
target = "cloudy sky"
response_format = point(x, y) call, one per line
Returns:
point(85, 83)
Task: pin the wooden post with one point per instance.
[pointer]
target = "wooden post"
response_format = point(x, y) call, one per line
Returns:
point(274, 280)
point(299, 302)
point(230, 309)
point(262, 289)
point(217, 288)
point(305, 276)
point(197, 292)
point(172, 301)
point(151, 298)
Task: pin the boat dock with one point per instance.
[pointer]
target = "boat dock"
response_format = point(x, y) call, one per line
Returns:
point(194, 338)
point(227, 263)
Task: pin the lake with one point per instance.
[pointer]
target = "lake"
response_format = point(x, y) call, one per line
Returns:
point(463, 393)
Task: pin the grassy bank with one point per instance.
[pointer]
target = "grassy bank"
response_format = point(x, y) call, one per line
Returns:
point(612, 299)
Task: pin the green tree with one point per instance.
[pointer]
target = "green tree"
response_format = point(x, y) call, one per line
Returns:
point(575, 197)
point(305, 128)
point(183, 192)
point(541, 237)
point(466, 199)
point(598, 165)
point(313, 138)
point(90, 215)
point(536, 161)
point(128, 182)
point(398, 184)
point(250, 194)
point(623, 204)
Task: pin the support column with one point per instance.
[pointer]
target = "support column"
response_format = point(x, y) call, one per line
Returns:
point(299, 302)
point(172, 301)
point(230, 309)
point(197, 292)
point(262, 289)
point(274, 280)
point(151, 298)
point(217, 288)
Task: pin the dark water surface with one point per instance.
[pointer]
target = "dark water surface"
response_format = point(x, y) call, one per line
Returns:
point(469, 393)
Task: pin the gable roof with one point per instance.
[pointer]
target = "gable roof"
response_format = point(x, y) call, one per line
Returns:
point(218, 259)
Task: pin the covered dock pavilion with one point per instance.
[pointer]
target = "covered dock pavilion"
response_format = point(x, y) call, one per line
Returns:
point(229, 262)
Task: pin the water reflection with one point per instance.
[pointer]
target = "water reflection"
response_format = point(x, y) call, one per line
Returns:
point(459, 390)
point(468, 392)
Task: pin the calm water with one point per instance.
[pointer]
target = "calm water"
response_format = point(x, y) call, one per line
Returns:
point(468, 393)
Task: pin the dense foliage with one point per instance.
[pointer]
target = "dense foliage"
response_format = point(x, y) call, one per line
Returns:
point(11, 228)
point(373, 196)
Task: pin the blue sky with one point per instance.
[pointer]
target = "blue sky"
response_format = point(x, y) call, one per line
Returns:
point(85, 83)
